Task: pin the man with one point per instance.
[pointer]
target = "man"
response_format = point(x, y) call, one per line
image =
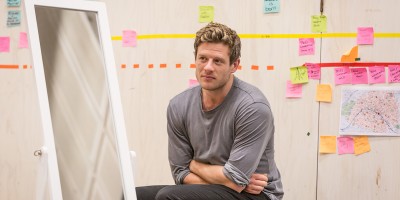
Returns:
point(221, 133)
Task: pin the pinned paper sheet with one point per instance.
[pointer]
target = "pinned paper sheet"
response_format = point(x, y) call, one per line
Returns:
point(272, 6)
point(306, 46)
point(345, 145)
point(318, 23)
point(4, 44)
point(324, 93)
point(13, 3)
point(359, 76)
point(193, 82)
point(313, 70)
point(13, 18)
point(365, 35)
point(361, 145)
point(206, 14)
point(293, 90)
point(342, 75)
point(129, 38)
point(351, 55)
point(23, 40)
point(299, 75)
point(377, 75)
point(327, 144)
point(394, 73)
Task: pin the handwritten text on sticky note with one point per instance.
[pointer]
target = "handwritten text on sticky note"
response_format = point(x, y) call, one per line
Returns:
point(359, 75)
point(327, 144)
point(345, 145)
point(394, 73)
point(324, 93)
point(271, 6)
point(361, 145)
point(313, 70)
point(206, 14)
point(299, 75)
point(13, 18)
point(365, 35)
point(318, 23)
point(293, 90)
point(129, 38)
point(377, 75)
point(306, 46)
point(13, 3)
point(342, 75)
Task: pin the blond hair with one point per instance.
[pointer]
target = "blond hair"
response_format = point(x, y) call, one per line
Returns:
point(219, 33)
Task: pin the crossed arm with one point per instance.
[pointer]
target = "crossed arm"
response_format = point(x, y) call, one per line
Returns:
point(213, 174)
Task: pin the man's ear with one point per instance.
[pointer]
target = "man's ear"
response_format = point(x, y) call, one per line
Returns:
point(235, 65)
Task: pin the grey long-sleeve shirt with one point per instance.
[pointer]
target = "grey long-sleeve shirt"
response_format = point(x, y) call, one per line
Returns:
point(238, 134)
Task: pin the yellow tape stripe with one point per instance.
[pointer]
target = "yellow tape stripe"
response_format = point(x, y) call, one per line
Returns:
point(260, 36)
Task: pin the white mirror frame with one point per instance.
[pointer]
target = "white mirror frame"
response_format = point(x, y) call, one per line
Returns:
point(53, 180)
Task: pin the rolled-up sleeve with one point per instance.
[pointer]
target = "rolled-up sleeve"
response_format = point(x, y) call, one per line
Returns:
point(253, 129)
point(180, 152)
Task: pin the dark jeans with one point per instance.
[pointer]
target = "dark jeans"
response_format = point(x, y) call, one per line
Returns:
point(193, 192)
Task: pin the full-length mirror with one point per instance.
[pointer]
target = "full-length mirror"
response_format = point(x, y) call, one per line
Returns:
point(82, 110)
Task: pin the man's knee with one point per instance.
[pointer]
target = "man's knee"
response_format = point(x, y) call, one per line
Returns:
point(167, 193)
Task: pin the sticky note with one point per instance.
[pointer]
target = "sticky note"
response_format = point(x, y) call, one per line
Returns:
point(272, 6)
point(351, 55)
point(254, 67)
point(359, 76)
point(4, 44)
point(327, 144)
point(324, 93)
point(342, 75)
point(193, 82)
point(306, 46)
point(163, 65)
point(206, 14)
point(394, 73)
point(377, 74)
point(313, 70)
point(129, 38)
point(23, 40)
point(293, 90)
point(13, 18)
point(361, 145)
point(345, 145)
point(318, 23)
point(270, 67)
point(365, 35)
point(299, 75)
point(13, 3)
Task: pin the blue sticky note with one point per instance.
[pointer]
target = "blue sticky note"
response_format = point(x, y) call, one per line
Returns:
point(13, 3)
point(272, 6)
point(13, 18)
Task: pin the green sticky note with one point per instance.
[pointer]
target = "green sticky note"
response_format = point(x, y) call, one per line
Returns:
point(13, 18)
point(318, 23)
point(206, 14)
point(13, 3)
point(299, 75)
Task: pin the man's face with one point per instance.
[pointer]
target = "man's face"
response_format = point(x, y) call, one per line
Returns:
point(212, 66)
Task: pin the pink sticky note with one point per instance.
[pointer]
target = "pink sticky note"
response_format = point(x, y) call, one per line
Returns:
point(342, 75)
point(394, 73)
point(345, 145)
point(293, 90)
point(4, 44)
point(193, 82)
point(359, 76)
point(314, 71)
point(377, 74)
point(23, 40)
point(365, 35)
point(306, 46)
point(129, 38)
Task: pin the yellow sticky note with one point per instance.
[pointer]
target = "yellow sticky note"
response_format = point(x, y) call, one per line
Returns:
point(299, 75)
point(206, 14)
point(324, 93)
point(361, 145)
point(351, 55)
point(318, 23)
point(327, 144)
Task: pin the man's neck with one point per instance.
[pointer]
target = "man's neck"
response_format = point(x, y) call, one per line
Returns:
point(212, 99)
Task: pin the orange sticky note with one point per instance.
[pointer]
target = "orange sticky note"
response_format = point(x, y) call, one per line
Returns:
point(361, 145)
point(351, 55)
point(25, 67)
point(270, 67)
point(135, 65)
point(324, 93)
point(163, 65)
point(192, 65)
point(123, 66)
point(178, 66)
point(151, 66)
point(254, 67)
point(327, 144)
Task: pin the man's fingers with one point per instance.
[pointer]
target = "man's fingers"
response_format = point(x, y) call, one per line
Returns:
point(262, 177)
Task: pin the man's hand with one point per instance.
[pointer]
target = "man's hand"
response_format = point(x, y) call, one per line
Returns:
point(257, 184)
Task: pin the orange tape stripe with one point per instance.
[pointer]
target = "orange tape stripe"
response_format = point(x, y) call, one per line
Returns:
point(9, 66)
point(254, 67)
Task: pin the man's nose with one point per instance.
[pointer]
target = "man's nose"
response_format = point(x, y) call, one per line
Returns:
point(209, 66)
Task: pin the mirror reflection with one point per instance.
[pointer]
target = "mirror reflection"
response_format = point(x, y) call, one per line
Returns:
point(79, 104)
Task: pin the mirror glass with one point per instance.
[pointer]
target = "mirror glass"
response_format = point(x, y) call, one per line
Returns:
point(79, 101)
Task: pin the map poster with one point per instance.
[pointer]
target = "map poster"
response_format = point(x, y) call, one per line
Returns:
point(370, 111)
